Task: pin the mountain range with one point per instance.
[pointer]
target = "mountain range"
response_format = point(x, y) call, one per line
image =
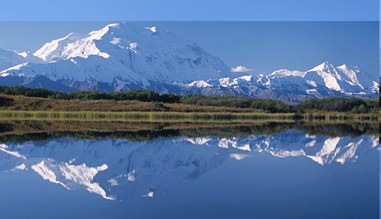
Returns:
point(125, 56)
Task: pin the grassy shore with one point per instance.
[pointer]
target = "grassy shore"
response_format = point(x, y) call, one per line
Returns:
point(243, 117)
point(22, 103)
point(34, 108)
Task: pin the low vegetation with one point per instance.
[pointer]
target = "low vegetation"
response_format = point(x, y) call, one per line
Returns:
point(22, 98)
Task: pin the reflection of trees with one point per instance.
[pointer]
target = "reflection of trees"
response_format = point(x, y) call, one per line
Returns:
point(4, 101)
point(21, 131)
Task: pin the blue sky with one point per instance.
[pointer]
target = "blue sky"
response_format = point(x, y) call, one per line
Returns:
point(190, 10)
point(263, 46)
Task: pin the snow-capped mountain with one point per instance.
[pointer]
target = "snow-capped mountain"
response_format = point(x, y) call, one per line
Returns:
point(123, 53)
point(9, 59)
point(122, 169)
point(14, 59)
point(125, 56)
point(294, 86)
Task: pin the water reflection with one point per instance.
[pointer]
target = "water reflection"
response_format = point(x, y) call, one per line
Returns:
point(148, 163)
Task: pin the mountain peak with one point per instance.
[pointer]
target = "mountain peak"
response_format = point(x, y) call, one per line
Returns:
point(325, 66)
point(129, 52)
point(346, 67)
point(98, 34)
point(343, 66)
point(286, 72)
point(78, 45)
point(51, 51)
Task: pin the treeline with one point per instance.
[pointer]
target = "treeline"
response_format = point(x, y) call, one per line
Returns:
point(273, 106)
point(332, 104)
point(140, 95)
point(351, 105)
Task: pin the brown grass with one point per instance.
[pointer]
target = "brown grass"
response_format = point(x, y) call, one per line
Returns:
point(22, 103)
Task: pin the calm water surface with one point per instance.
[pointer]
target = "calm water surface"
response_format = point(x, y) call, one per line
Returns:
point(282, 174)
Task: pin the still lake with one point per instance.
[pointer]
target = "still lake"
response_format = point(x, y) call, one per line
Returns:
point(265, 171)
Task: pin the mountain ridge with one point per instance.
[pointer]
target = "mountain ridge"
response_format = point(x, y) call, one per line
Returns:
point(124, 56)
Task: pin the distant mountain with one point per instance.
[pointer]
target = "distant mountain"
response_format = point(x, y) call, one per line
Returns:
point(11, 58)
point(293, 86)
point(125, 56)
point(123, 53)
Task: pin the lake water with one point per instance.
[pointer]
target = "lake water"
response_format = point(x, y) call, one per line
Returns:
point(230, 172)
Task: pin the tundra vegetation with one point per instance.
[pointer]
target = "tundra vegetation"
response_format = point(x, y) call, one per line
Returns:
point(22, 98)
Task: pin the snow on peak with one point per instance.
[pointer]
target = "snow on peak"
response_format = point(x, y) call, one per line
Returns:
point(352, 73)
point(76, 45)
point(376, 87)
point(346, 67)
point(328, 73)
point(224, 82)
point(330, 81)
point(14, 68)
point(53, 50)
point(22, 54)
point(285, 72)
point(325, 66)
point(126, 52)
point(247, 77)
point(98, 34)
point(312, 83)
point(10, 58)
point(59, 48)
point(199, 84)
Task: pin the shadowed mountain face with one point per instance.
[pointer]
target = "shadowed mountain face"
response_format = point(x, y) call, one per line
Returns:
point(120, 169)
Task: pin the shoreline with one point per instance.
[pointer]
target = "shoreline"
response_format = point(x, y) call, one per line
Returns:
point(185, 116)
point(36, 129)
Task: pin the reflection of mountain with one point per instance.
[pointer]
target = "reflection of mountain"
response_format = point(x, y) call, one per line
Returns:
point(122, 169)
